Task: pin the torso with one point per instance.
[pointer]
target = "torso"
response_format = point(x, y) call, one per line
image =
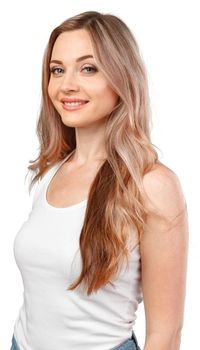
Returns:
point(71, 184)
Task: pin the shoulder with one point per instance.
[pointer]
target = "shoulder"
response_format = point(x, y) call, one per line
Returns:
point(164, 191)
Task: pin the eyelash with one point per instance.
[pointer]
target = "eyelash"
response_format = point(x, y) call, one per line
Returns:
point(53, 69)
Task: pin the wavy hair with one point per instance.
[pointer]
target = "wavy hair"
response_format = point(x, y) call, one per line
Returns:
point(115, 213)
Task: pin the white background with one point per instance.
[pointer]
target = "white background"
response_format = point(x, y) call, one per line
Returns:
point(167, 33)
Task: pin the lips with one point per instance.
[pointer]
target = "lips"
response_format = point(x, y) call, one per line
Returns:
point(63, 100)
point(73, 104)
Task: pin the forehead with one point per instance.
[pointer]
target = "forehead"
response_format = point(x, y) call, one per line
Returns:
point(72, 44)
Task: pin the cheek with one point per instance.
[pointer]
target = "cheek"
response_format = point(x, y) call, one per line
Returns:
point(52, 95)
point(106, 100)
point(110, 97)
point(105, 92)
point(50, 90)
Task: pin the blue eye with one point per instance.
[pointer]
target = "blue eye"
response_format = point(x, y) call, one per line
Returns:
point(56, 70)
point(90, 69)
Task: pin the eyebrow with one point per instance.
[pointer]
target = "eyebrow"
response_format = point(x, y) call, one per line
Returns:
point(77, 60)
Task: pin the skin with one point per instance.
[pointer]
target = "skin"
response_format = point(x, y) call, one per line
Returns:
point(164, 261)
point(72, 80)
point(163, 250)
point(85, 81)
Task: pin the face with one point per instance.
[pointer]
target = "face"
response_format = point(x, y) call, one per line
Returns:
point(74, 77)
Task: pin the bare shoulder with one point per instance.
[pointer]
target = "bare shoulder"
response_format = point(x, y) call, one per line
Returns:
point(164, 191)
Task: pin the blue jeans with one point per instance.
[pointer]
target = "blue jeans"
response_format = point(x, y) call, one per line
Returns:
point(129, 344)
point(14, 344)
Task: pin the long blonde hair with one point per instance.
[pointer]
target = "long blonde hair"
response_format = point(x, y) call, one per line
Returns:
point(115, 213)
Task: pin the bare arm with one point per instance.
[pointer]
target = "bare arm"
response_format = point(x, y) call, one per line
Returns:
point(164, 261)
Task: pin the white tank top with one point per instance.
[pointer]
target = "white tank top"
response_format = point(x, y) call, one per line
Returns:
point(46, 250)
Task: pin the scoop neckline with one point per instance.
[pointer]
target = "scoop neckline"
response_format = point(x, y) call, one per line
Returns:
point(53, 171)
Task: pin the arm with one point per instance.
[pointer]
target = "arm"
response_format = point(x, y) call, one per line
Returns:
point(164, 260)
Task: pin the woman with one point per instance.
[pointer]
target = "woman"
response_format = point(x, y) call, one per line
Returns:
point(108, 225)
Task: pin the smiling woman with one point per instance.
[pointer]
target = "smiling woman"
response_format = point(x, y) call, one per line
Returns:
point(108, 225)
point(76, 75)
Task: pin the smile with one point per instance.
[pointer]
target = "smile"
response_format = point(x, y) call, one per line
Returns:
point(71, 106)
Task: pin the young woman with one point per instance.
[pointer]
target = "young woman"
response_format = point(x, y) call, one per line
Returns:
point(108, 225)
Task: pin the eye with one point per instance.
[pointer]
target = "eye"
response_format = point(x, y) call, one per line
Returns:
point(56, 70)
point(90, 69)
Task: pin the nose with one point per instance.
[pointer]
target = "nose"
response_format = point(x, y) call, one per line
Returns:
point(69, 82)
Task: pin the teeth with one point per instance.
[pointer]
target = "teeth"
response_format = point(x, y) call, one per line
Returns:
point(73, 103)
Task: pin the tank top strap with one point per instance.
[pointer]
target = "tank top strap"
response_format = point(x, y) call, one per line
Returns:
point(39, 185)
